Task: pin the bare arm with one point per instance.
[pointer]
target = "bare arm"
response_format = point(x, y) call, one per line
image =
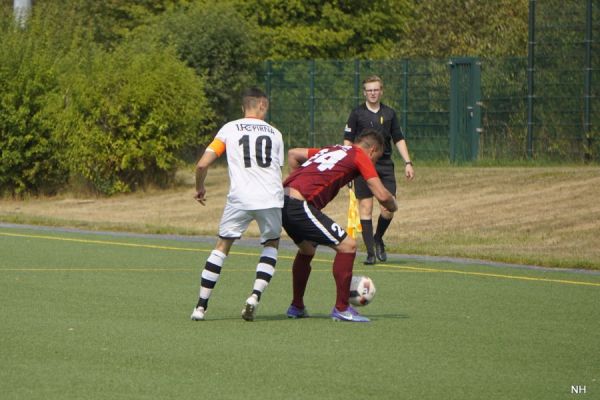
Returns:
point(409, 171)
point(205, 161)
point(383, 196)
point(347, 142)
point(296, 157)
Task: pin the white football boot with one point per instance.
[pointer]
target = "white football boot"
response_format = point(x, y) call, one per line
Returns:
point(198, 314)
point(249, 310)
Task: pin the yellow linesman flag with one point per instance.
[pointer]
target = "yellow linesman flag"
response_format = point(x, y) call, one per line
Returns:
point(353, 218)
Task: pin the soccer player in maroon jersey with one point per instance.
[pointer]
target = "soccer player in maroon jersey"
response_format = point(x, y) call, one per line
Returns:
point(316, 178)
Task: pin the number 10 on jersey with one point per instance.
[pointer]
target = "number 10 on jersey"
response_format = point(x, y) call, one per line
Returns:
point(262, 150)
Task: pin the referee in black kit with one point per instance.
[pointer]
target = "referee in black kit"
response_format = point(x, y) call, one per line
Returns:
point(374, 114)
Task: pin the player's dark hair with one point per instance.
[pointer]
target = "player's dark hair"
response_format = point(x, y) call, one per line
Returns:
point(252, 96)
point(371, 137)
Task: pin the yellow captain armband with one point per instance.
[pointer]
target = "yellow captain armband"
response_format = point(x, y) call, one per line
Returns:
point(217, 146)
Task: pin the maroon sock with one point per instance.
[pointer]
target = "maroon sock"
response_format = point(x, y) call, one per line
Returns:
point(343, 264)
point(300, 273)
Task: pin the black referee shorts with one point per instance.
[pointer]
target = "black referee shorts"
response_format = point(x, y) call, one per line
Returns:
point(302, 222)
point(386, 174)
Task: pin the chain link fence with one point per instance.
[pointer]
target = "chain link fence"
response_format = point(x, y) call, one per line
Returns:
point(544, 106)
point(564, 72)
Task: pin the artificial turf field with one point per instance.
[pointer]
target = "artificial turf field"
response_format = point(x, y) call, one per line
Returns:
point(98, 316)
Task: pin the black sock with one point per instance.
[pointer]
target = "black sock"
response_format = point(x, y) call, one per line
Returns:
point(367, 235)
point(382, 225)
point(202, 303)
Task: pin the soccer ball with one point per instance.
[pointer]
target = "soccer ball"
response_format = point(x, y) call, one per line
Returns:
point(362, 290)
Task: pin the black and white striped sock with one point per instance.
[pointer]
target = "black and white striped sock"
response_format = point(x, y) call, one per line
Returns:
point(265, 269)
point(210, 276)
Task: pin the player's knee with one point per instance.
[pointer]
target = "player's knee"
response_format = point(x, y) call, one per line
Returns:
point(224, 245)
point(387, 214)
point(348, 245)
point(306, 248)
point(272, 243)
point(368, 210)
point(365, 206)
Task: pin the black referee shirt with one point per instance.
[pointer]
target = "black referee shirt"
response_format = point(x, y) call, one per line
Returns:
point(384, 120)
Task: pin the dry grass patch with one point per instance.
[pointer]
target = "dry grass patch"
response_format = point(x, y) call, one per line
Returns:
point(540, 215)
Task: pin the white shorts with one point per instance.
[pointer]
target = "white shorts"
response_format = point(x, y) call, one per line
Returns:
point(234, 223)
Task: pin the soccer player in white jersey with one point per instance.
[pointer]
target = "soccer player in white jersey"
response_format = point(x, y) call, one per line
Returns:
point(255, 157)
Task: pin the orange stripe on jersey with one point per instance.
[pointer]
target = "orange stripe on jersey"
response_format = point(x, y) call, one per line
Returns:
point(217, 146)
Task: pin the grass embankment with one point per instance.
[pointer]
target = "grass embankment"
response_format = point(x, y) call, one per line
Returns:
point(546, 216)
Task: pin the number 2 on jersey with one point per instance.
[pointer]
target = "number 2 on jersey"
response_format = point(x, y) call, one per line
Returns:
point(263, 159)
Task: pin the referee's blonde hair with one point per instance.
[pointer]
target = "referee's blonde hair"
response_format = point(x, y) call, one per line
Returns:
point(373, 78)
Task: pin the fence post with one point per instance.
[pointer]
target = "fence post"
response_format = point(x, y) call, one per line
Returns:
point(268, 75)
point(530, 76)
point(404, 96)
point(22, 11)
point(356, 83)
point(312, 102)
point(587, 124)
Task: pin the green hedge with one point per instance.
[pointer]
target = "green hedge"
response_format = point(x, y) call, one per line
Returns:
point(72, 111)
point(30, 159)
point(128, 114)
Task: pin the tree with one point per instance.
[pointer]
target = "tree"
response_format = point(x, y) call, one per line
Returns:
point(304, 29)
point(113, 20)
point(216, 41)
point(443, 28)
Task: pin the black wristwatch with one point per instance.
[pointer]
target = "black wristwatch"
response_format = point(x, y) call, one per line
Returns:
point(408, 163)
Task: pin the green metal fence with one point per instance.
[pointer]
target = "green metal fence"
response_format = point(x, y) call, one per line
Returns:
point(544, 106)
point(563, 60)
point(311, 100)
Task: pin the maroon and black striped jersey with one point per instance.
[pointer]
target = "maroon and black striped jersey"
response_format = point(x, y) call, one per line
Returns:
point(327, 170)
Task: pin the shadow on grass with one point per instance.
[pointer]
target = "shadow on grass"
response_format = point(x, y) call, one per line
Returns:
point(373, 317)
point(313, 317)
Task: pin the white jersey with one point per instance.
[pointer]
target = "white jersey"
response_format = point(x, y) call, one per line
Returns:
point(255, 158)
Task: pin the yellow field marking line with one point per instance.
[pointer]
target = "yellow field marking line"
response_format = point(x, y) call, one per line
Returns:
point(392, 266)
point(96, 269)
point(491, 275)
point(147, 246)
point(63, 239)
point(138, 245)
point(149, 269)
